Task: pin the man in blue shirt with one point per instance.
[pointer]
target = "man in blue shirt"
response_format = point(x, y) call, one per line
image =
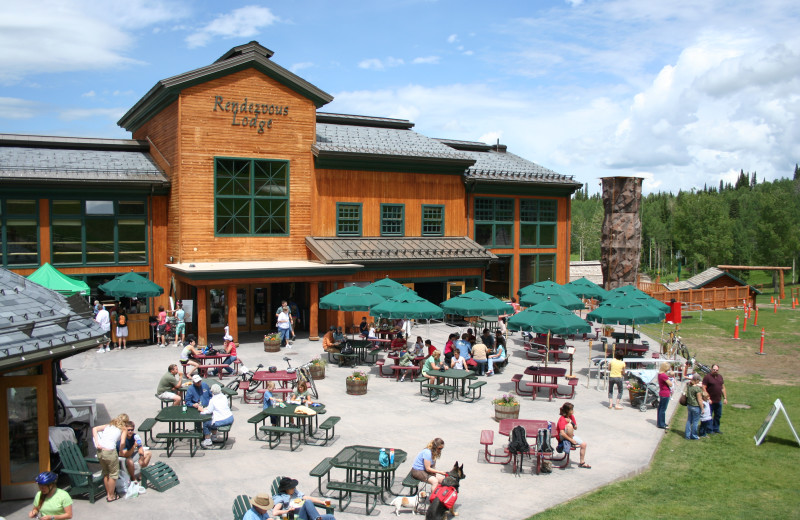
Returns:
point(260, 506)
point(463, 346)
point(198, 394)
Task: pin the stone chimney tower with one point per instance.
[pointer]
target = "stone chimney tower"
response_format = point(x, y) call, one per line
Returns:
point(621, 241)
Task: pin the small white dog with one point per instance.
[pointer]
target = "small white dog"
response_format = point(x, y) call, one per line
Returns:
point(411, 502)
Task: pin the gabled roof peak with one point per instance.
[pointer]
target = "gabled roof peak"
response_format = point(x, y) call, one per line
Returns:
point(252, 47)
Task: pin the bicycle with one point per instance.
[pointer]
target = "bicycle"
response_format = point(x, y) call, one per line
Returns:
point(683, 351)
point(303, 374)
point(246, 376)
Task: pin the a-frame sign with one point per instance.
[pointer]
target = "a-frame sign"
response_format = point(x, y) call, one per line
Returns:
point(762, 432)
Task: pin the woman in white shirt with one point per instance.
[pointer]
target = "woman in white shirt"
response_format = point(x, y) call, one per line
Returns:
point(220, 411)
point(106, 437)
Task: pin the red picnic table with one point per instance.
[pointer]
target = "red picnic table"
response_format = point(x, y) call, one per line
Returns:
point(532, 427)
point(207, 363)
point(543, 377)
point(282, 377)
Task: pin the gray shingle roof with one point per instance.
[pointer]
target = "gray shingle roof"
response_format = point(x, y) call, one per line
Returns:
point(699, 280)
point(385, 250)
point(36, 322)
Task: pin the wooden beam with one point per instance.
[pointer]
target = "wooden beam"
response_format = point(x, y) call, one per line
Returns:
point(780, 279)
point(754, 267)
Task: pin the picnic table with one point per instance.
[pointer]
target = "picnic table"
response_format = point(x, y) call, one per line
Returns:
point(532, 427)
point(555, 342)
point(630, 349)
point(177, 418)
point(452, 377)
point(543, 377)
point(626, 336)
point(361, 466)
point(289, 413)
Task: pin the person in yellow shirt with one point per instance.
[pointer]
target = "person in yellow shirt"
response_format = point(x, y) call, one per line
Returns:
point(616, 371)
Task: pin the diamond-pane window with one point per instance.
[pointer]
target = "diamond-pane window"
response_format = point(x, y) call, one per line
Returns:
point(251, 197)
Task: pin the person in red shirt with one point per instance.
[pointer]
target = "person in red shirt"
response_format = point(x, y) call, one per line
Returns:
point(431, 348)
point(565, 431)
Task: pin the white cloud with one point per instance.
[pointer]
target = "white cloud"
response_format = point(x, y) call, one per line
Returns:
point(73, 114)
point(427, 60)
point(297, 67)
point(244, 22)
point(452, 38)
point(89, 94)
point(125, 93)
point(378, 64)
point(15, 108)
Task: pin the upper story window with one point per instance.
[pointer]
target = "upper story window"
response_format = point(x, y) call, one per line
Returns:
point(392, 220)
point(494, 222)
point(19, 233)
point(348, 219)
point(432, 220)
point(536, 268)
point(98, 231)
point(537, 221)
point(251, 197)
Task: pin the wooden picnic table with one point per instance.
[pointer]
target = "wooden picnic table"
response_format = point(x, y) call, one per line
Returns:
point(362, 466)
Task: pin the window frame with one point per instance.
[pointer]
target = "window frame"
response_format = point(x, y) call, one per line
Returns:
point(537, 222)
point(424, 220)
point(5, 217)
point(85, 218)
point(252, 198)
point(536, 277)
point(402, 220)
point(494, 222)
point(358, 205)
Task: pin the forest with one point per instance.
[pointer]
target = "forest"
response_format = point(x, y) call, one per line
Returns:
point(746, 223)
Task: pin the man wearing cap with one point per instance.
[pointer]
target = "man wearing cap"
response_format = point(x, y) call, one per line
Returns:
point(260, 506)
point(287, 498)
point(198, 394)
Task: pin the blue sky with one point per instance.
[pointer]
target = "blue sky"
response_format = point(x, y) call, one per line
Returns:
point(681, 93)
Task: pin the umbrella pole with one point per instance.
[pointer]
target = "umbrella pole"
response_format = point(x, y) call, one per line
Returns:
point(547, 349)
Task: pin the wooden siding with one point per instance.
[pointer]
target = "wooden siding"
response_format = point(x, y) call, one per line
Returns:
point(157, 233)
point(710, 298)
point(372, 189)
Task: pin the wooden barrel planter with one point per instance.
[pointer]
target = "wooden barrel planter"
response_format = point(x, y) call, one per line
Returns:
point(356, 387)
point(506, 412)
point(272, 345)
point(317, 371)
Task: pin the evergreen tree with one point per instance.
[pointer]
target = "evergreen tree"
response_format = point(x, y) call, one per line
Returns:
point(753, 181)
point(743, 181)
point(721, 186)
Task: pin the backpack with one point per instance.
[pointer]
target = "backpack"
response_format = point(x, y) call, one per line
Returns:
point(347, 349)
point(543, 441)
point(519, 441)
point(122, 320)
point(447, 495)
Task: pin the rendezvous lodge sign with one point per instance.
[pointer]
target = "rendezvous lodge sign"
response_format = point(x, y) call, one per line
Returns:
point(253, 115)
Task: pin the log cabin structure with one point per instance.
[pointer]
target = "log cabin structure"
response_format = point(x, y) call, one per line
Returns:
point(236, 192)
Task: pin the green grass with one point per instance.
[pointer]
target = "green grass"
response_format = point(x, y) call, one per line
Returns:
point(724, 476)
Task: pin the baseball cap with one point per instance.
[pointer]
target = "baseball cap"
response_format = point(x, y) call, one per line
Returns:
point(196, 378)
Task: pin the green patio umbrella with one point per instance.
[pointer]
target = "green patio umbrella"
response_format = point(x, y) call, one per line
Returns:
point(552, 292)
point(586, 288)
point(387, 288)
point(550, 318)
point(626, 310)
point(352, 298)
point(408, 305)
point(131, 285)
point(635, 293)
point(476, 303)
point(538, 285)
point(50, 277)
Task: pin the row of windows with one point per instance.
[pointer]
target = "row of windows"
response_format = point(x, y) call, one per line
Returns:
point(348, 220)
point(82, 232)
point(494, 222)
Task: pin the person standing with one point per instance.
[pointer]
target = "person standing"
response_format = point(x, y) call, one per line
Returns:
point(106, 437)
point(180, 324)
point(162, 327)
point(104, 320)
point(664, 393)
point(694, 404)
point(284, 324)
point(50, 503)
point(616, 369)
point(714, 384)
point(122, 328)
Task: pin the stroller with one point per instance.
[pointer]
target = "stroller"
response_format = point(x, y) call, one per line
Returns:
point(649, 381)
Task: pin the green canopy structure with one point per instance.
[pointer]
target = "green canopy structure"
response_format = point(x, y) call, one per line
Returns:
point(633, 292)
point(548, 318)
point(585, 288)
point(550, 291)
point(50, 277)
point(626, 310)
point(476, 303)
point(131, 285)
point(408, 305)
point(388, 288)
point(352, 298)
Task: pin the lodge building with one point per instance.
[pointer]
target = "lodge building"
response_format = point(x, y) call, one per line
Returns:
point(236, 191)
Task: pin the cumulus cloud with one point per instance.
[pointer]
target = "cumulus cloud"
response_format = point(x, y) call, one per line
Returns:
point(244, 22)
point(73, 114)
point(297, 67)
point(378, 64)
point(452, 38)
point(427, 60)
point(16, 108)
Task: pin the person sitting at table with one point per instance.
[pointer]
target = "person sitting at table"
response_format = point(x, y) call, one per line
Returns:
point(479, 353)
point(338, 335)
point(431, 366)
point(424, 467)
point(499, 338)
point(399, 342)
point(457, 362)
point(170, 385)
point(221, 414)
point(270, 401)
point(429, 346)
point(189, 352)
point(133, 451)
point(328, 340)
point(198, 394)
point(463, 345)
point(565, 431)
point(384, 327)
point(50, 502)
point(498, 357)
point(301, 393)
point(418, 348)
point(363, 328)
point(616, 371)
point(449, 347)
point(285, 501)
point(487, 339)
point(229, 348)
point(371, 334)
point(260, 507)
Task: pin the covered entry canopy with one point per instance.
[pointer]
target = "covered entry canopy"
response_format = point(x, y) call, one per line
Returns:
point(53, 279)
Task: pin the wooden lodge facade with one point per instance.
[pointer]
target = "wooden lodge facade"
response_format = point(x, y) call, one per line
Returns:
point(236, 192)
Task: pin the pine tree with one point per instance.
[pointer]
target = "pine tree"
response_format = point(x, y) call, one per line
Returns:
point(753, 181)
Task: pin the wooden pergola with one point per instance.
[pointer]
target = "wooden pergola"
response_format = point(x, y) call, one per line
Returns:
point(761, 268)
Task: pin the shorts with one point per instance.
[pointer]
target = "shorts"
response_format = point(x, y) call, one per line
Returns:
point(421, 475)
point(167, 395)
point(180, 328)
point(573, 445)
point(109, 463)
point(162, 329)
point(122, 332)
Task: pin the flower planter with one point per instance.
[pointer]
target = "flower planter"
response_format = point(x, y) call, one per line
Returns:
point(317, 371)
point(356, 386)
point(506, 411)
point(272, 345)
point(608, 331)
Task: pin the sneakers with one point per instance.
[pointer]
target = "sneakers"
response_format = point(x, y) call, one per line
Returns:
point(207, 442)
point(101, 350)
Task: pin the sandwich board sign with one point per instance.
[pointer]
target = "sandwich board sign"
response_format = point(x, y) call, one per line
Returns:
point(762, 431)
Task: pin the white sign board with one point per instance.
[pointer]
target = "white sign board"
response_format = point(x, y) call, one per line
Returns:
point(188, 309)
point(767, 424)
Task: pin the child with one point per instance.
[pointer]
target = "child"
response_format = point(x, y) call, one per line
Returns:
point(705, 417)
point(270, 401)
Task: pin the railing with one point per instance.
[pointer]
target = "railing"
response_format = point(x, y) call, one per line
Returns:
point(706, 299)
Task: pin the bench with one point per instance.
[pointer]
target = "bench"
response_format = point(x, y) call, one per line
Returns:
point(346, 489)
point(573, 384)
point(397, 369)
point(147, 429)
point(165, 401)
point(203, 369)
point(347, 359)
point(412, 484)
point(380, 363)
point(160, 476)
point(371, 357)
point(474, 391)
point(487, 439)
point(193, 437)
point(517, 379)
point(274, 434)
point(323, 469)
point(329, 426)
point(498, 367)
point(433, 391)
point(551, 387)
point(224, 430)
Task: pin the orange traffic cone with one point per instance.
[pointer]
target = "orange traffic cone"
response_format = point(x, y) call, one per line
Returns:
point(761, 350)
point(771, 299)
point(736, 329)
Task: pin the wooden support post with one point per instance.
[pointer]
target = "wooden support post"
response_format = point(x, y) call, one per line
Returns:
point(313, 321)
point(780, 280)
point(233, 304)
point(201, 315)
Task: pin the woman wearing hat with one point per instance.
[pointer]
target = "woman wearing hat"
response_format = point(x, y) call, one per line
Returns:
point(287, 498)
point(260, 506)
point(222, 415)
point(50, 502)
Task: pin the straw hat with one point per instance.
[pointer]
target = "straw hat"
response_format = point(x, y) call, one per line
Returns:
point(262, 501)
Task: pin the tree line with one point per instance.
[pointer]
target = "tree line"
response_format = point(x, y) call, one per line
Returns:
point(745, 223)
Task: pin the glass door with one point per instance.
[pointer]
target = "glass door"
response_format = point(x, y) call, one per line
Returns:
point(241, 308)
point(217, 310)
point(261, 317)
point(455, 289)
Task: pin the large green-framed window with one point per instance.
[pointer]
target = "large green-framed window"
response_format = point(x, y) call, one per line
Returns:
point(432, 220)
point(393, 220)
point(494, 222)
point(251, 197)
point(536, 268)
point(499, 278)
point(19, 232)
point(98, 232)
point(348, 219)
point(537, 222)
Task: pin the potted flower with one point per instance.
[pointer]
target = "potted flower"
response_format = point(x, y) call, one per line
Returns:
point(506, 407)
point(317, 367)
point(357, 383)
point(608, 330)
point(272, 342)
point(635, 392)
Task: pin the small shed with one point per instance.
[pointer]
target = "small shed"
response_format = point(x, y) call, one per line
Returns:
point(713, 289)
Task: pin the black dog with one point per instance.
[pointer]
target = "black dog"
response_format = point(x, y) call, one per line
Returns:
point(437, 508)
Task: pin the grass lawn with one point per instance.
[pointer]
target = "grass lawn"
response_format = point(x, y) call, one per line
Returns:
point(724, 476)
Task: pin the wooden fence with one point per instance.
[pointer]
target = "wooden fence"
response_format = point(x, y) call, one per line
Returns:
point(709, 298)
